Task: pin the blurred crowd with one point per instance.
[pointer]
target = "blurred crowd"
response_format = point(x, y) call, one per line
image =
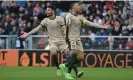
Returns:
point(17, 17)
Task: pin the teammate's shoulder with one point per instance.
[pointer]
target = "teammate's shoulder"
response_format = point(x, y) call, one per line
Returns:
point(60, 17)
point(69, 14)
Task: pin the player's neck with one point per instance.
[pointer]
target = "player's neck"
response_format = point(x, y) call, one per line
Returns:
point(74, 13)
point(52, 17)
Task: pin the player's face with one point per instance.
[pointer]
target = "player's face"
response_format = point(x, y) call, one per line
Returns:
point(49, 12)
point(77, 8)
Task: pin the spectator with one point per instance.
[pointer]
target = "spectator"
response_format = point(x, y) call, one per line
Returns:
point(1, 30)
point(27, 14)
point(107, 20)
point(116, 30)
point(97, 20)
point(130, 27)
point(91, 18)
point(109, 4)
point(120, 5)
point(131, 5)
point(83, 31)
point(2, 40)
point(20, 42)
point(114, 20)
point(35, 22)
point(14, 8)
point(48, 4)
point(91, 34)
point(36, 10)
point(21, 11)
point(102, 33)
point(120, 47)
point(28, 27)
point(119, 43)
point(129, 44)
point(29, 8)
point(122, 19)
point(100, 42)
point(14, 31)
point(125, 28)
point(42, 10)
point(12, 40)
point(127, 10)
point(21, 3)
point(104, 13)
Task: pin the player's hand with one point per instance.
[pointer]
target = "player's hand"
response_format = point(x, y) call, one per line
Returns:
point(105, 26)
point(24, 35)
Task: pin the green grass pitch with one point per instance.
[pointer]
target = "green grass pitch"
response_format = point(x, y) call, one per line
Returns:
point(49, 73)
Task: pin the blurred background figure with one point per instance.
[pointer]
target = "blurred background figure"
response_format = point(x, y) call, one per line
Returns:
point(20, 42)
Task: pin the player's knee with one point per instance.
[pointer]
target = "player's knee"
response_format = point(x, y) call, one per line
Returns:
point(53, 51)
point(80, 55)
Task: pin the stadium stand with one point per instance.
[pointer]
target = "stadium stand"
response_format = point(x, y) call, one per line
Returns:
point(17, 17)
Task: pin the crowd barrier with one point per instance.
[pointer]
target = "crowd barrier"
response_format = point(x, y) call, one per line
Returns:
point(89, 42)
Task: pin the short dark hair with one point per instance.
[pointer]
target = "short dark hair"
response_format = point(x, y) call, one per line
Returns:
point(52, 7)
point(72, 4)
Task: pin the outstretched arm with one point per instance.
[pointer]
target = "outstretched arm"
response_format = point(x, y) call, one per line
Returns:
point(88, 23)
point(31, 32)
point(35, 30)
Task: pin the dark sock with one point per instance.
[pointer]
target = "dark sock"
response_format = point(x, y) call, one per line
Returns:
point(69, 70)
point(75, 69)
point(72, 61)
point(55, 58)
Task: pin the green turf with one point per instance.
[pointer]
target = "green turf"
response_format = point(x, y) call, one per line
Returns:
point(49, 73)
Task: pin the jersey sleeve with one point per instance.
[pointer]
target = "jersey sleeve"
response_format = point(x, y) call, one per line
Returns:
point(83, 20)
point(43, 23)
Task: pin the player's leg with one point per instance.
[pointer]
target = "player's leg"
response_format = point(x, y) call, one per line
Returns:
point(53, 51)
point(75, 66)
point(65, 51)
point(80, 55)
point(75, 69)
point(78, 73)
point(72, 59)
point(76, 57)
point(73, 46)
